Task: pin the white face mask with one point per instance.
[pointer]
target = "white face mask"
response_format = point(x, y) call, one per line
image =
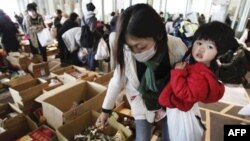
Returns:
point(145, 55)
point(32, 14)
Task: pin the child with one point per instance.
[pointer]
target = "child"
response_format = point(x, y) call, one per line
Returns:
point(196, 81)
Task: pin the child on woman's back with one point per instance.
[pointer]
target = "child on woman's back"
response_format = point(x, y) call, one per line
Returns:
point(196, 81)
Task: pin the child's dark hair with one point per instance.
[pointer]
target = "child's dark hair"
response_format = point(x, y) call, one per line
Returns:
point(221, 34)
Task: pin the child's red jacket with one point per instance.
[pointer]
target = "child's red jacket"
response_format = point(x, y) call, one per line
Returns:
point(187, 86)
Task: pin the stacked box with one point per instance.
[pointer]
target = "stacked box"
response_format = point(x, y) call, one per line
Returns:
point(25, 94)
point(17, 127)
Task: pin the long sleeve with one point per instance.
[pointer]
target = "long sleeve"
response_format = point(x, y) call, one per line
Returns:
point(190, 85)
point(34, 28)
point(114, 88)
point(199, 84)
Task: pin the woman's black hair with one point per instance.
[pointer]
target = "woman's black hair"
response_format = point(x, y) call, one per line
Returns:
point(32, 7)
point(58, 12)
point(73, 16)
point(141, 21)
point(221, 34)
point(90, 6)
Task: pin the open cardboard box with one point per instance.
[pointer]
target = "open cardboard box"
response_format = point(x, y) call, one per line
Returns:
point(19, 60)
point(39, 69)
point(52, 51)
point(17, 127)
point(27, 92)
point(56, 108)
point(123, 108)
point(20, 80)
point(61, 71)
point(104, 79)
point(5, 109)
point(69, 130)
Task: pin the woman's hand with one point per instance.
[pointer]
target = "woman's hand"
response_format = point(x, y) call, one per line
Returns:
point(102, 121)
point(180, 65)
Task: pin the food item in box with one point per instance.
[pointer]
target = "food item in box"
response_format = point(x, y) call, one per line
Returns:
point(125, 111)
point(119, 136)
point(25, 138)
point(42, 134)
point(92, 133)
point(78, 74)
point(54, 82)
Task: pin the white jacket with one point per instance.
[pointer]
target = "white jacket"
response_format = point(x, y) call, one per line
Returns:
point(130, 82)
point(71, 38)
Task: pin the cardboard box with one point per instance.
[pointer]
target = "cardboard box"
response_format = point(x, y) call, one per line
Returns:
point(5, 109)
point(20, 80)
point(39, 69)
point(18, 60)
point(104, 79)
point(61, 71)
point(27, 92)
point(124, 107)
point(17, 127)
point(69, 130)
point(52, 51)
point(55, 91)
point(56, 108)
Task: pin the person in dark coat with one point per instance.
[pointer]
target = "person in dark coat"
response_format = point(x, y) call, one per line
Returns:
point(8, 33)
point(72, 22)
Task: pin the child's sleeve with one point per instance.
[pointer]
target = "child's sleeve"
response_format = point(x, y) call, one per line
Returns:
point(196, 86)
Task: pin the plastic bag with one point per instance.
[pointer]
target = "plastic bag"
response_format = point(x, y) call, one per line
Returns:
point(102, 50)
point(184, 126)
point(45, 37)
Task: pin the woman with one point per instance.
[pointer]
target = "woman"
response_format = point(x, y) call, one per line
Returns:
point(142, 68)
point(35, 24)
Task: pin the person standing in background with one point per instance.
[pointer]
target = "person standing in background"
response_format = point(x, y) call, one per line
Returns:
point(34, 24)
point(8, 32)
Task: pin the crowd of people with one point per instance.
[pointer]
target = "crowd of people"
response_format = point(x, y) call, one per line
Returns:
point(165, 68)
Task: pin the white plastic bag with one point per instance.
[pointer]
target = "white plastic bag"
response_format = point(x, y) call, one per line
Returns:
point(45, 37)
point(184, 126)
point(102, 50)
point(82, 55)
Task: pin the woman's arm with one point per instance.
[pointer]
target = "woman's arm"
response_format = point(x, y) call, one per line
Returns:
point(35, 28)
point(115, 85)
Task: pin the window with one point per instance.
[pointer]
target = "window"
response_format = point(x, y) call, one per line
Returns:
point(138, 1)
point(108, 8)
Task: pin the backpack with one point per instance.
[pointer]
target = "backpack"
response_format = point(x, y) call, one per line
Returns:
point(87, 37)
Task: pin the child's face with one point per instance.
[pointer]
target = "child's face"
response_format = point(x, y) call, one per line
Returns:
point(204, 51)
